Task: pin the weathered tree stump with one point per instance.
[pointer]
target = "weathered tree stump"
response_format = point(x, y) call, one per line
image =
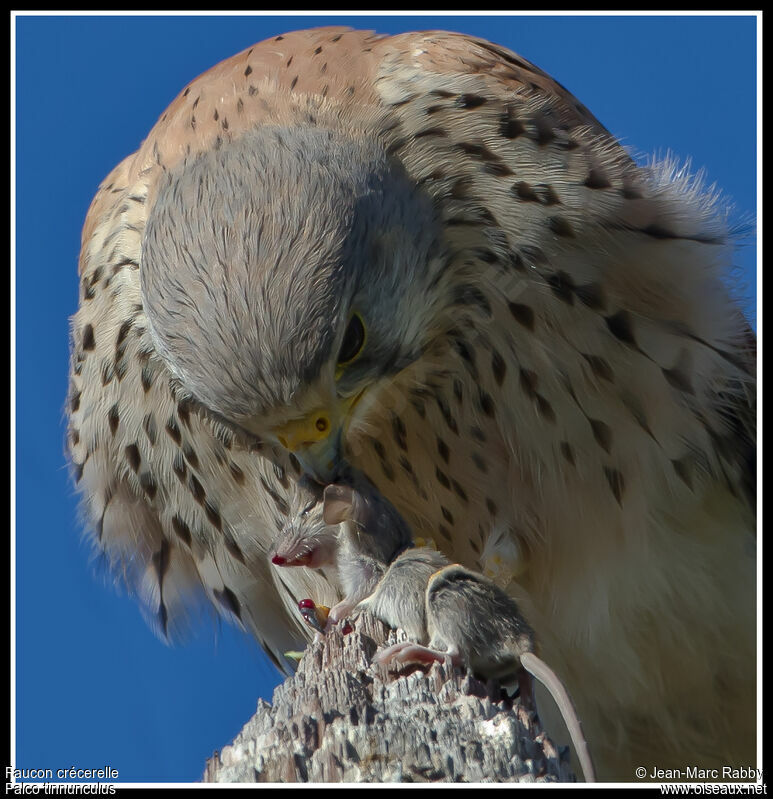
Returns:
point(341, 718)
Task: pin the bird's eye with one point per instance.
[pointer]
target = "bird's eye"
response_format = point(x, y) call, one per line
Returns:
point(354, 340)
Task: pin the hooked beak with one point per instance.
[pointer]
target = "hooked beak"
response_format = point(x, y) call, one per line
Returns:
point(317, 438)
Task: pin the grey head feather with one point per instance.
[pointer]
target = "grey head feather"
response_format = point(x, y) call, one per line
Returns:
point(254, 253)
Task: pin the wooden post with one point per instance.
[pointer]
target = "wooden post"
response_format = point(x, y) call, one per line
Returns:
point(341, 718)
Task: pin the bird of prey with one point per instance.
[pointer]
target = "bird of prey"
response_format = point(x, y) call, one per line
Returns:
point(422, 256)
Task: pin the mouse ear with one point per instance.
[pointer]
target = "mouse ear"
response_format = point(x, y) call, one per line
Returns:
point(338, 504)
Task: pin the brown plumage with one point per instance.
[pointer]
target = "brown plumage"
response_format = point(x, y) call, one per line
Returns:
point(554, 382)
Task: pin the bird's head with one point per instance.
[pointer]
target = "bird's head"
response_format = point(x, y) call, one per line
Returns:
point(286, 274)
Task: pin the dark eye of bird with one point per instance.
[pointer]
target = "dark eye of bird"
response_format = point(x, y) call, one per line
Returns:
point(354, 338)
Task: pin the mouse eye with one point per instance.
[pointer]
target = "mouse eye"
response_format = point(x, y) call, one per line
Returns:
point(353, 341)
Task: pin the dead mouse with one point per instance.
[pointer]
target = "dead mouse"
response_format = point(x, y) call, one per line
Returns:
point(474, 623)
point(352, 527)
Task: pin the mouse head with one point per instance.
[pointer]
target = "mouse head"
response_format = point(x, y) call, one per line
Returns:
point(306, 539)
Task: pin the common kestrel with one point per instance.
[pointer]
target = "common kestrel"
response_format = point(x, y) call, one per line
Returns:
point(421, 255)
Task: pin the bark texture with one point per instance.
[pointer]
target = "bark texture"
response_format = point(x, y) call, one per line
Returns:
point(341, 718)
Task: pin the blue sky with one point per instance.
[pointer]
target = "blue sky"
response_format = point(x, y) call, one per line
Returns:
point(94, 687)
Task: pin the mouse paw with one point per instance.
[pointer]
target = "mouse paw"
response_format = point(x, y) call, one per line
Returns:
point(408, 652)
